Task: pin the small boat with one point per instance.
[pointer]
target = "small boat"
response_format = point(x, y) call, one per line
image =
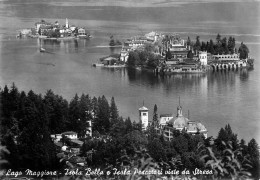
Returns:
point(42, 49)
point(98, 65)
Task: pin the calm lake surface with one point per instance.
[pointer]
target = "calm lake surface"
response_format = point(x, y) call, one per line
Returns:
point(215, 99)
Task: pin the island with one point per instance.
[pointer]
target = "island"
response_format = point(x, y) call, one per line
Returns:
point(54, 31)
point(169, 53)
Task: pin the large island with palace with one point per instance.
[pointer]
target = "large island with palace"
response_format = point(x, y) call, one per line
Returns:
point(169, 53)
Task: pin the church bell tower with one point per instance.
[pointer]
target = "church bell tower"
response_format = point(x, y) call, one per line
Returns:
point(143, 117)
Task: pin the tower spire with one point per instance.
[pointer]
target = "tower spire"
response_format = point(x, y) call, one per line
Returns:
point(179, 109)
point(143, 102)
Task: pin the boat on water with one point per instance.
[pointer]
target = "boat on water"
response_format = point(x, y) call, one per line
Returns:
point(98, 65)
point(42, 49)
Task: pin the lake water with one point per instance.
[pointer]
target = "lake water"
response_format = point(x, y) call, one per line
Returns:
point(214, 99)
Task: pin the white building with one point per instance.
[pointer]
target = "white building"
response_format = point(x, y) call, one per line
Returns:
point(153, 36)
point(164, 118)
point(226, 57)
point(67, 23)
point(81, 31)
point(124, 53)
point(89, 129)
point(180, 122)
point(143, 117)
point(203, 57)
point(56, 137)
point(70, 135)
point(168, 124)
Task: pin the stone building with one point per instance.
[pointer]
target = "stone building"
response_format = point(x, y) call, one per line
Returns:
point(168, 124)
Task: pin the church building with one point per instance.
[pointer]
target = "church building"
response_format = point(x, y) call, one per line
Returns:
point(181, 123)
point(143, 117)
point(168, 123)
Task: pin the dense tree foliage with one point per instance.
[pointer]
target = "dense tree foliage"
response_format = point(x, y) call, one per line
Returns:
point(155, 121)
point(28, 119)
point(144, 57)
point(221, 46)
point(113, 42)
point(243, 51)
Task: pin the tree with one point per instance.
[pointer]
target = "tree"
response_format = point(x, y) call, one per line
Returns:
point(94, 106)
point(243, 51)
point(133, 58)
point(231, 44)
point(156, 150)
point(218, 44)
point(180, 144)
point(166, 41)
point(197, 45)
point(244, 147)
point(168, 54)
point(101, 121)
point(190, 54)
point(144, 56)
point(112, 41)
point(57, 109)
point(203, 46)
point(211, 47)
point(118, 128)
point(153, 61)
point(85, 114)
point(225, 135)
point(149, 48)
point(128, 125)
point(36, 149)
point(74, 114)
point(218, 39)
point(224, 46)
point(188, 41)
point(253, 151)
point(133, 140)
point(56, 33)
point(113, 112)
point(155, 116)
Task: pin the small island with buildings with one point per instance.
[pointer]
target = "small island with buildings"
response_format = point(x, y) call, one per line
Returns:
point(169, 53)
point(54, 31)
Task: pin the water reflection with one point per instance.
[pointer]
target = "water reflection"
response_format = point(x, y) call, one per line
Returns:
point(244, 74)
point(70, 46)
point(181, 82)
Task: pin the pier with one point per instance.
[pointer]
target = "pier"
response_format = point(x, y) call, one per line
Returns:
point(228, 64)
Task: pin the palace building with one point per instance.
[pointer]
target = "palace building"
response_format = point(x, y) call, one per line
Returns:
point(181, 123)
point(168, 123)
